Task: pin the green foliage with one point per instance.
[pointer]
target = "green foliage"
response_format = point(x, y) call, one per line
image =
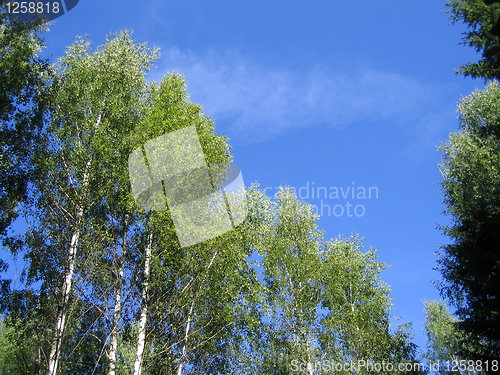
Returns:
point(471, 185)
point(14, 358)
point(443, 340)
point(319, 300)
point(483, 22)
point(23, 91)
point(209, 308)
point(96, 100)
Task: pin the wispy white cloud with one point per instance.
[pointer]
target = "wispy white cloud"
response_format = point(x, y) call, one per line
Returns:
point(262, 102)
point(429, 131)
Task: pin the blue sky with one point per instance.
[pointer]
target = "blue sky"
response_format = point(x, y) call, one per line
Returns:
point(336, 93)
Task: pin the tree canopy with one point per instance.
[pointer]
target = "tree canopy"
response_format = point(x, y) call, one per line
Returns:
point(107, 287)
point(470, 265)
point(24, 84)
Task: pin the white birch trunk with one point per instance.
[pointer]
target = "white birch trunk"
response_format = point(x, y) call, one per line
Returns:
point(55, 348)
point(61, 316)
point(141, 340)
point(190, 317)
point(113, 346)
point(188, 326)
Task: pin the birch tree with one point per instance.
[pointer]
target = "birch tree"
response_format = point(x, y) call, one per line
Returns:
point(321, 302)
point(97, 102)
point(185, 290)
point(108, 286)
point(442, 337)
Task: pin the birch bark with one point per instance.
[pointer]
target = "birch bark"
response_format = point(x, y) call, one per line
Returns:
point(55, 348)
point(141, 341)
point(113, 346)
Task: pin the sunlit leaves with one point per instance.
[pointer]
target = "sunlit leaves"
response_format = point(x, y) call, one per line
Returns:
point(471, 186)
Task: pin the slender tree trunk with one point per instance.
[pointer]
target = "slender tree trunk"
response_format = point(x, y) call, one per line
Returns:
point(55, 348)
point(113, 346)
point(141, 340)
point(66, 289)
point(184, 347)
point(190, 315)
